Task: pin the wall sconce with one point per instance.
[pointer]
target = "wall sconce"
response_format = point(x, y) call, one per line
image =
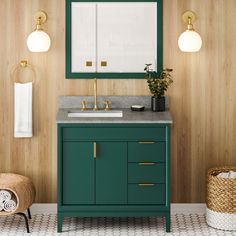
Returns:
point(38, 40)
point(190, 40)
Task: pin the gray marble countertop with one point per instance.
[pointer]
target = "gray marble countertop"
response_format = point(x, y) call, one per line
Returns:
point(73, 103)
point(129, 116)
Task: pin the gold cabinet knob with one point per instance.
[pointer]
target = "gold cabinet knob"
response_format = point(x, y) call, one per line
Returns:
point(89, 63)
point(103, 63)
point(107, 105)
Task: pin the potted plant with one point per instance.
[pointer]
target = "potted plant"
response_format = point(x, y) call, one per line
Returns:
point(158, 84)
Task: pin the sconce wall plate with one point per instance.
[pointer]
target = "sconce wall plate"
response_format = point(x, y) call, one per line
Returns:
point(188, 14)
point(40, 15)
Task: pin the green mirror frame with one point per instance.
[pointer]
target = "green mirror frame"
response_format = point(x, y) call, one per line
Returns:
point(98, 75)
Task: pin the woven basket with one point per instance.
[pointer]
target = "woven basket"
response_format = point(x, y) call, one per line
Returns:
point(22, 189)
point(221, 199)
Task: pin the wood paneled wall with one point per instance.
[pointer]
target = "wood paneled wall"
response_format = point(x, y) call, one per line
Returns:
point(202, 98)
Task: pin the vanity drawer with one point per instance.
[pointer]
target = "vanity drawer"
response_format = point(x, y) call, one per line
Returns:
point(146, 194)
point(146, 173)
point(114, 133)
point(146, 151)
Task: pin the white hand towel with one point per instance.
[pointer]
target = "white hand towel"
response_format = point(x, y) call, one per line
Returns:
point(5, 195)
point(1, 204)
point(223, 175)
point(227, 175)
point(23, 110)
point(232, 175)
point(9, 205)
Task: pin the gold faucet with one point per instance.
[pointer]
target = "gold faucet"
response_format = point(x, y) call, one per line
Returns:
point(95, 107)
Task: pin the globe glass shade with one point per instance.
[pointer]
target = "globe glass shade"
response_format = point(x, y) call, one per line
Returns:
point(190, 41)
point(38, 41)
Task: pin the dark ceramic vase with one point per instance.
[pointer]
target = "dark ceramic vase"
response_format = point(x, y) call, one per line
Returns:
point(158, 104)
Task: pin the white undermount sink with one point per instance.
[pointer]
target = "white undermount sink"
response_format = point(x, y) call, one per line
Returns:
point(115, 113)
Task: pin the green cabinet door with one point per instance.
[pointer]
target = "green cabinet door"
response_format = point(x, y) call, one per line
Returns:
point(78, 173)
point(111, 173)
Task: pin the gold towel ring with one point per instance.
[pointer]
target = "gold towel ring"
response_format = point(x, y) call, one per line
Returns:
point(23, 64)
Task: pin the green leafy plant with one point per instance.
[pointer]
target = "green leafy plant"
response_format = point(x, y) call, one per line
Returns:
point(158, 84)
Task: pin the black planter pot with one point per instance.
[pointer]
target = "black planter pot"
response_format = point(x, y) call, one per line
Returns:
point(158, 104)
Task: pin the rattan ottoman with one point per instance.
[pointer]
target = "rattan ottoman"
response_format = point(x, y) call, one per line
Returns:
point(22, 191)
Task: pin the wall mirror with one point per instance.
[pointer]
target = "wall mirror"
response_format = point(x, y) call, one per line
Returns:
point(113, 39)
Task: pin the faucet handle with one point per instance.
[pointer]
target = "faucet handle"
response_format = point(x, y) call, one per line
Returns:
point(83, 108)
point(107, 105)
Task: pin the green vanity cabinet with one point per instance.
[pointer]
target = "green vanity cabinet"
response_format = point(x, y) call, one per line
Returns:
point(113, 170)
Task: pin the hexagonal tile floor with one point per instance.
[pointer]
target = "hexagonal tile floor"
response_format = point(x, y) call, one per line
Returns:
point(45, 225)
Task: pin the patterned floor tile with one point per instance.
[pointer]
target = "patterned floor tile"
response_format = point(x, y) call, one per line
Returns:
point(45, 225)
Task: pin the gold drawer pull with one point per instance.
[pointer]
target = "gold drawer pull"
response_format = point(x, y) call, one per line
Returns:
point(146, 163)
point(146, 185)
point(94, 150)
point(146, 142)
